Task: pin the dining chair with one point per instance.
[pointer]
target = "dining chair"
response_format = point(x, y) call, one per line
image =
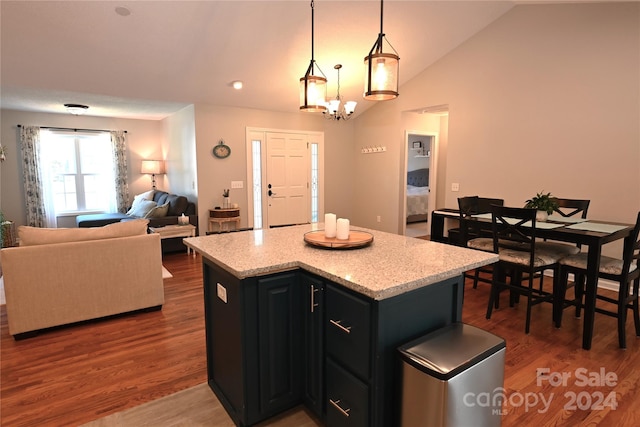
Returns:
point(514, 240)
point(472, 235)
point(567, 208)
point(622, 271)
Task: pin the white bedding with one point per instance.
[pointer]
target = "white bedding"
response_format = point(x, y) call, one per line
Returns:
point(417, 200)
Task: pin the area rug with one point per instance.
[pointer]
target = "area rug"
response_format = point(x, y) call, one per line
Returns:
point(194, 407)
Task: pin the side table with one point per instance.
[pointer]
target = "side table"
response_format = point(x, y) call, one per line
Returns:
point(224, 216)
point(169, 231)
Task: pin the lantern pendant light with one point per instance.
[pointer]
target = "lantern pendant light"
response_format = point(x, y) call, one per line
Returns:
point(381, 69)
point(313, 87)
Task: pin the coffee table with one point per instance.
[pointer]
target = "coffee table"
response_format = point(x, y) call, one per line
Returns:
point(170, 231)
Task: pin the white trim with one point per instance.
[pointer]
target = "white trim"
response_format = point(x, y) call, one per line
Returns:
point(252, 133)
point(433, 176)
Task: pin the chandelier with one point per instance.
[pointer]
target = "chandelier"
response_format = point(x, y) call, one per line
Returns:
point(336, 111)
point(313, 87)
point(381, 79)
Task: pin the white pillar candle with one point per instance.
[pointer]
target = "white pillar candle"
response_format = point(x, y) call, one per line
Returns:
point(342, 232)
point(330, 225)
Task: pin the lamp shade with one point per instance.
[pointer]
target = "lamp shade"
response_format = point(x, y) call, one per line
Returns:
point(313, 92)
point(381, 76)
point(153, 167)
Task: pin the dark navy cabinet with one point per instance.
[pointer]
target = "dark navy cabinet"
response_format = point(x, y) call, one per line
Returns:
point(313, 341)
point(279, 342)
point(254, 342)
point(291, 338)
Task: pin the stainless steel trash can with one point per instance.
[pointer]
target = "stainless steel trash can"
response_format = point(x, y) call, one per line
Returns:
point(453, 377)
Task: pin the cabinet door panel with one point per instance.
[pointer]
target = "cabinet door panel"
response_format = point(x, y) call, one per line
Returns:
point(313, 308)
point(347, 398)
point(280, 354)
point(348, 330)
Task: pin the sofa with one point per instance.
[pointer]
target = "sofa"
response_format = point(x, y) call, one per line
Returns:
point(60, 276)
point(159, 207)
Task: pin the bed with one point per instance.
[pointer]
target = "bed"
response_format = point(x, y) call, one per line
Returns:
point(417, 195)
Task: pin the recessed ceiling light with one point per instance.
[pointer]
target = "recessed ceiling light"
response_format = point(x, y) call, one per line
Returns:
point(237, 84)
point(123, 11)
point(76, 109)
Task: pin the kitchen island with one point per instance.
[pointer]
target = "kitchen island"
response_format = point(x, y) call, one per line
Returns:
point(289, 323)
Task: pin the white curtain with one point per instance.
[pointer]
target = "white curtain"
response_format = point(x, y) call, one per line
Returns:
point(40, 211)
point(118, 143)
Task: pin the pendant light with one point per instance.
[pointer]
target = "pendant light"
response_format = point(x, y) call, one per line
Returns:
point(313, 87)
point(381, 69)
point(335, 110)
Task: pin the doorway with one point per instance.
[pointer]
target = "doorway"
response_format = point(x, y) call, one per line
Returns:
point(285, 171)
point(419, 177)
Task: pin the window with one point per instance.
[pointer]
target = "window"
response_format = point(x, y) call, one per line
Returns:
point(256, 155)
point(314, 182)
point(78, 168)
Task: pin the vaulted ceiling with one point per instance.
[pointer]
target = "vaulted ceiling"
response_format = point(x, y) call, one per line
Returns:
point(165, 55)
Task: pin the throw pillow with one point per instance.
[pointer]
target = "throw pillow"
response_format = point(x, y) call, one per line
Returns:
point(30, 236)
point(147, 195)
point(142, 208)
point(158, 211)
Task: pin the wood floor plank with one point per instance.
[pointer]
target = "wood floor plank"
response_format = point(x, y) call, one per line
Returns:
point(78, 374)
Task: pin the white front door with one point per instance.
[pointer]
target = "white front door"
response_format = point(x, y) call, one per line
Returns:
point(287, 179)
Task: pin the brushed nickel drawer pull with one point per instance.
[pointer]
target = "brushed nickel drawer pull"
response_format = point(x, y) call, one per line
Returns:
point(346, 329)
point(313, 298)
point(345, 412)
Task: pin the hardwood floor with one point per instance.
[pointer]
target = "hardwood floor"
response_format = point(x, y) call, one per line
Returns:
point(77, 374)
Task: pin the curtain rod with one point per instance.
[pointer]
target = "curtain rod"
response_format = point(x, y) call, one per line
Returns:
point(73, 129)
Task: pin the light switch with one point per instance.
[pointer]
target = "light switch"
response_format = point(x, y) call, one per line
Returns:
point(237, 184)
point(455, 186)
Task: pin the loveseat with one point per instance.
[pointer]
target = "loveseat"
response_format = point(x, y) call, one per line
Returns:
point(59, 276)
point(159, 207)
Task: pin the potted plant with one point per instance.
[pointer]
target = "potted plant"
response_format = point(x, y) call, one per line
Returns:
point(544, 203)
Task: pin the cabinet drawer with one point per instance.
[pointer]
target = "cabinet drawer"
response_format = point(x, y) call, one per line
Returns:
point(348, 330)
point(347, 398)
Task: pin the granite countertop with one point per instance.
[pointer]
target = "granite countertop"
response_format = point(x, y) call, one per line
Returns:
point(389, 266)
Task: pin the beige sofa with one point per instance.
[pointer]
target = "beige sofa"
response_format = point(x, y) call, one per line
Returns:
point(61, 276)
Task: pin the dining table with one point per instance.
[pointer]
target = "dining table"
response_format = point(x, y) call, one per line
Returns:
point(588, 233)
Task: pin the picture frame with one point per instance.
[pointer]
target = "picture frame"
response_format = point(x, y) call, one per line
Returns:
point(417, 144)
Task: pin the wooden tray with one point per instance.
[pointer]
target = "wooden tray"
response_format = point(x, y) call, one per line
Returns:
point(357, 239)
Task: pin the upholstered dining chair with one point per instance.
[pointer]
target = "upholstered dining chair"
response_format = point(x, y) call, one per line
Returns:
point(567, 208)
point(471, 234)
point(623, 271)
point(514, 239)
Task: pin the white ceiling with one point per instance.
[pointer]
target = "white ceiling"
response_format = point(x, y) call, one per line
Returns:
point(169, 54)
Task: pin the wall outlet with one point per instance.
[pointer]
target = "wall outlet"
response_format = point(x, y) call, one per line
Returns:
point(455, 186)
point(237, 184)
point(222, 292)
point(379, 218)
